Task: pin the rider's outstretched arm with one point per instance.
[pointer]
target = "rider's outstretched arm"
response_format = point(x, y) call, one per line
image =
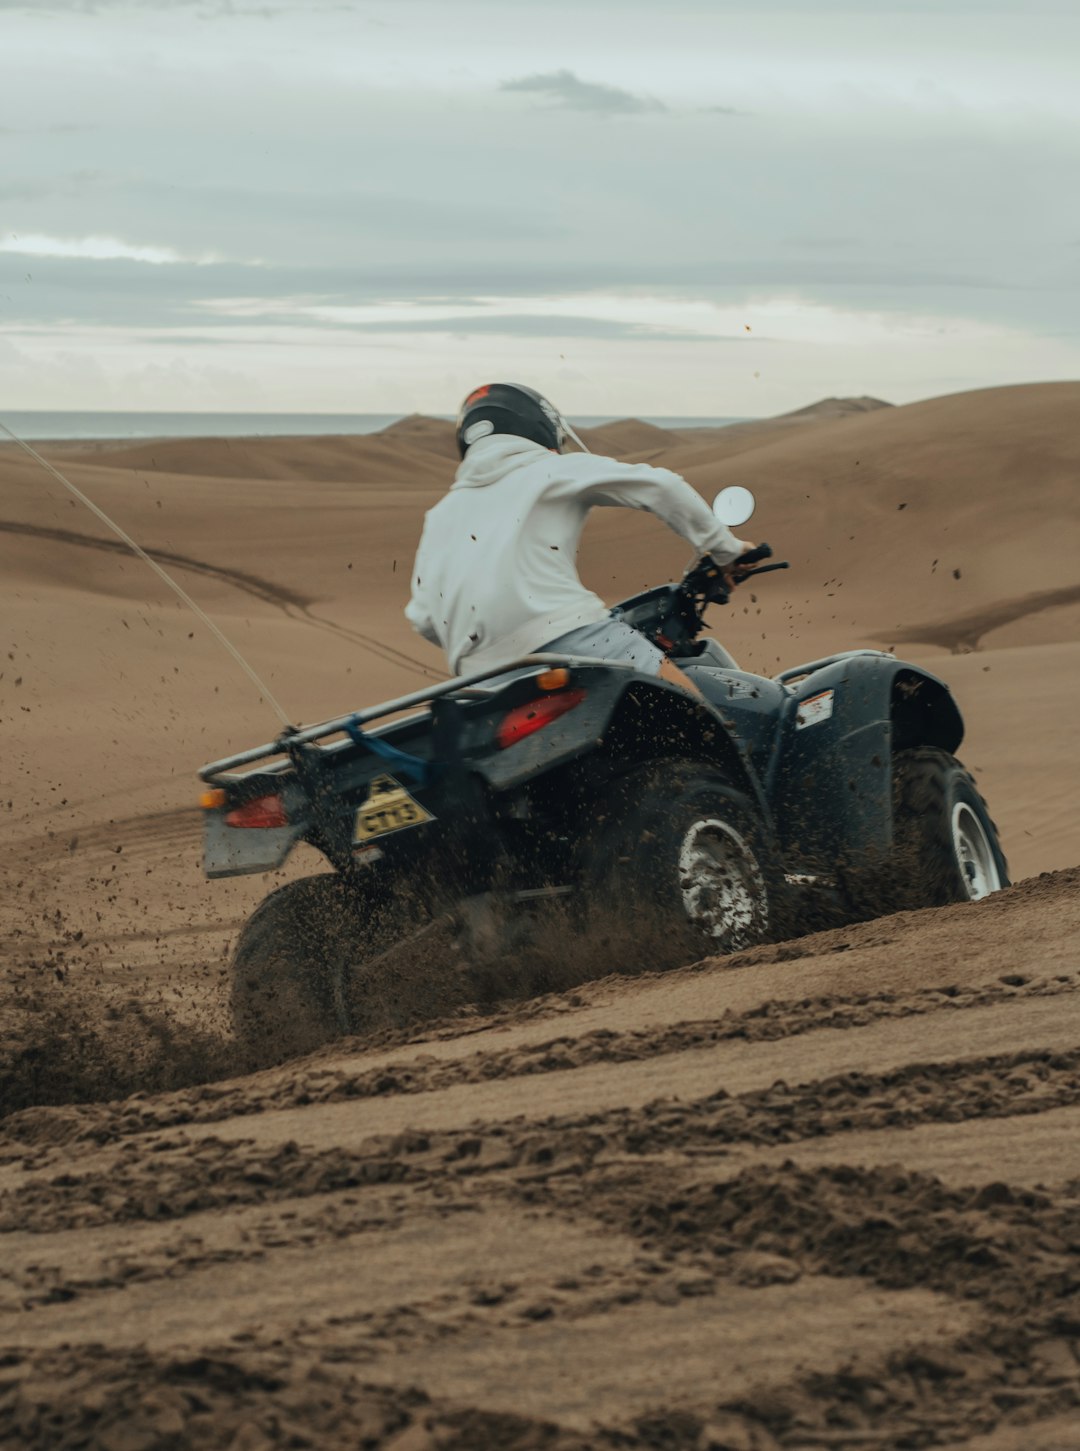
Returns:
point(605, 482)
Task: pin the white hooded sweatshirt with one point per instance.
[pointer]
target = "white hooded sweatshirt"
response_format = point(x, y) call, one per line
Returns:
point(495, 575)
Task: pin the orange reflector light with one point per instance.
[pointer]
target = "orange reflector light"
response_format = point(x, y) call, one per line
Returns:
point(212, 799)
point(264, 811)
point(557, 679)
point(525, 720)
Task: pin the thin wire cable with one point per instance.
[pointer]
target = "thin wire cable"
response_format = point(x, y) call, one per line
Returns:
point(584, 448)
point(98, 513)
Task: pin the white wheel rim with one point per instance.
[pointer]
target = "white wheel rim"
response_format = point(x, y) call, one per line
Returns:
point(974, 854)
point(723, 890)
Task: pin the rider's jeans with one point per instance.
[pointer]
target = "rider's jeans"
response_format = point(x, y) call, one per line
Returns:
point(611, 640)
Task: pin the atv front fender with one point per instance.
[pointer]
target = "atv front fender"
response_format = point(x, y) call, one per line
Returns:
point(831, 781)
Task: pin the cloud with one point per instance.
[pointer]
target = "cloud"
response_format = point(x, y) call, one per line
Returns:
point(566, 90)
point(97, 249)
point(506, 325)
point(321, 296)
point(548, 325)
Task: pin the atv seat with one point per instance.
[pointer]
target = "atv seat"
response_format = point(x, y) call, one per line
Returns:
point(716, 655)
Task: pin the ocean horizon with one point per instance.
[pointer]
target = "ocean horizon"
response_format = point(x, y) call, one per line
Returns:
point(53, 425)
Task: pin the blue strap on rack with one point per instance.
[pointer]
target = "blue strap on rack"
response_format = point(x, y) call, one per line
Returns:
point(419, 772)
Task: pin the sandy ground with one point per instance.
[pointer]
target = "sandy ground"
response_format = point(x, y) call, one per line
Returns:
point(823, 1194)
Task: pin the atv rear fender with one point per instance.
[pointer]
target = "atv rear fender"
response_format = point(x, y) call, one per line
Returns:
point(627, 717)
point(632, 718)
point(831, 777)
point(619, 710)
point(228, 853)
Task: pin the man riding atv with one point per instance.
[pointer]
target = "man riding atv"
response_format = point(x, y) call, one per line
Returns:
point(495, 575)
point(612, 785)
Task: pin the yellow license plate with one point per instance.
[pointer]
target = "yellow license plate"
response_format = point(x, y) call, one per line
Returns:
point(389, 807)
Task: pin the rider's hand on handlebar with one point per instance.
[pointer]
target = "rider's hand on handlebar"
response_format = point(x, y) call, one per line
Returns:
point(735, 572)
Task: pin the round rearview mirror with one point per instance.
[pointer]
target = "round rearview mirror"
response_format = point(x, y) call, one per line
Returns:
point(733, 505)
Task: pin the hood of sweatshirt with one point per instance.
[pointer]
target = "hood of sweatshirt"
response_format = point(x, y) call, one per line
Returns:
point(490, 459)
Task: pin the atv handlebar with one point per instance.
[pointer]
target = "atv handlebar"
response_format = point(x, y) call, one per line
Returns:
point(763, 551)
point(708, 582)
point(768, 568)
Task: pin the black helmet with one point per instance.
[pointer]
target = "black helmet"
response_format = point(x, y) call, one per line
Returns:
point(510, 408)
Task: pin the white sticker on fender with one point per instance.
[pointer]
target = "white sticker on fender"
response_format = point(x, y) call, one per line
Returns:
point(814, 710)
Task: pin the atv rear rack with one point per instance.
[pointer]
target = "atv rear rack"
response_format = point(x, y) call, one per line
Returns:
point(470, 685)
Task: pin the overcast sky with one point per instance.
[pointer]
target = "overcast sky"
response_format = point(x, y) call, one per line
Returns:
point(695, 208)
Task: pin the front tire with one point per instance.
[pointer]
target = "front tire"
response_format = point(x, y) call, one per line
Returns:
point(946, 846)
point(681, 868)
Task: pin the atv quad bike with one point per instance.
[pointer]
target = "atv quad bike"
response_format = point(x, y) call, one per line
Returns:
point(580, 801)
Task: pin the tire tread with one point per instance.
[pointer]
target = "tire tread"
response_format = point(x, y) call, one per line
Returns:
point(919, 797)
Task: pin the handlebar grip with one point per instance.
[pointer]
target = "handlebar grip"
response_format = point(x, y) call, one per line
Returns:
point(753, 556)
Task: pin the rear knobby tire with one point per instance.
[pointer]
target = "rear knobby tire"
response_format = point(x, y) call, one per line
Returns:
point(681, 867)
point(291, 966)
point(945, 845)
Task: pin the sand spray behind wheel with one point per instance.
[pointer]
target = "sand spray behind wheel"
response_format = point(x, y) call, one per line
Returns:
point(139, 552)
point(62, 1048)
point(60, 1042)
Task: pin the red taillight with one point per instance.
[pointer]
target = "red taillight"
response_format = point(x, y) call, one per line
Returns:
point(263, 811)
point(523, 720)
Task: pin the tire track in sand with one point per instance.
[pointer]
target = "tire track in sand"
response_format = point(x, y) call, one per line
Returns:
point(291, 603)
point(961, 634)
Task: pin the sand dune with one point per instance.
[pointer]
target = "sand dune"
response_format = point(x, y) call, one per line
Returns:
point(835, 408)
point(392, 454)
point(630, 436)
